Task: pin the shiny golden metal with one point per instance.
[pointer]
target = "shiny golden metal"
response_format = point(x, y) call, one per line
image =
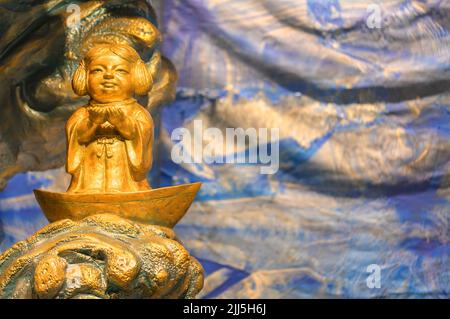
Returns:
point(109, 147)
point(162, 206)
point(110, 235)
point(109, 141)
point(101, 256)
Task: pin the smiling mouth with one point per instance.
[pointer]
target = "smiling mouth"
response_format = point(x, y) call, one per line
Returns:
point(109, 85)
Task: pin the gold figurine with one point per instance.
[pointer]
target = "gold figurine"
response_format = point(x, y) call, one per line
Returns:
point(110, 139)
point(109, 146)
point(110, 234)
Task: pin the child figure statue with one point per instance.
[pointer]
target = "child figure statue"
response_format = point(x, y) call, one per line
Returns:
point(110, 144)
point(110, 234)
point(109, 141)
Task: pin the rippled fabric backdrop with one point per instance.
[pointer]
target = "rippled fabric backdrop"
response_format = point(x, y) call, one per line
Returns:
point(360, 93)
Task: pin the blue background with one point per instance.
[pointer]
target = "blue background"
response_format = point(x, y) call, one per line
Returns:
point(364, 147)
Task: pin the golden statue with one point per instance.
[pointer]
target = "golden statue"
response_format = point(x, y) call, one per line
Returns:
point(109, 146)
point(111, 233)
point(110, 139)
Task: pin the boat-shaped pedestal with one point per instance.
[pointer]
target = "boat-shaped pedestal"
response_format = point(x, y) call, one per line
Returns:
point(161, 206)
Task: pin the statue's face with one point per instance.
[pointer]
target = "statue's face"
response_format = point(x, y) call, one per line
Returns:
point(109, 79)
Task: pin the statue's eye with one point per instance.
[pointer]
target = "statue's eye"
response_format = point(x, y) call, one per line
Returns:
point(97, 70)
point(122, 71)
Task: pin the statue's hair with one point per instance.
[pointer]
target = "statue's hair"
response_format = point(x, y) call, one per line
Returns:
point(142, 79)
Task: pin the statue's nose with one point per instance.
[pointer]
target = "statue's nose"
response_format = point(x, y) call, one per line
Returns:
point(108, 75)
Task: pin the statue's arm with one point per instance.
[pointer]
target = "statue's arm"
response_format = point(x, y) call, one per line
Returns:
point(139, 149)
point(86, 131)
point(125, 125)
point(85, 122)
point(126, 128)
point(74, 156)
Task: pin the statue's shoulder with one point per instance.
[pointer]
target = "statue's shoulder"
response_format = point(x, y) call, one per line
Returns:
point(79, 113)
point(141, 112)
point(136, 107)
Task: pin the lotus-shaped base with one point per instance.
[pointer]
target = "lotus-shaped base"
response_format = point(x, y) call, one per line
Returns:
point(161, 206)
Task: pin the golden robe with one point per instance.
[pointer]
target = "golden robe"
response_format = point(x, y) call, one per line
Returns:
point(108, 162)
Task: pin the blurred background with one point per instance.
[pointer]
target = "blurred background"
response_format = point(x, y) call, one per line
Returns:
point(360, 91)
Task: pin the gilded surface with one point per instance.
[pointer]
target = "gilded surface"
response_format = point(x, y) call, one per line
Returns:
point(102, 243)
point(109, 140)
point(102, 256)
point(110, 144)
point(161, 206)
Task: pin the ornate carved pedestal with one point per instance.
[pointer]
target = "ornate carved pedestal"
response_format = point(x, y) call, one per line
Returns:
point(101, 256)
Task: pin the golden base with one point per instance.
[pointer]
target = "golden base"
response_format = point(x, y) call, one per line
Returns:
point(162, 206)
